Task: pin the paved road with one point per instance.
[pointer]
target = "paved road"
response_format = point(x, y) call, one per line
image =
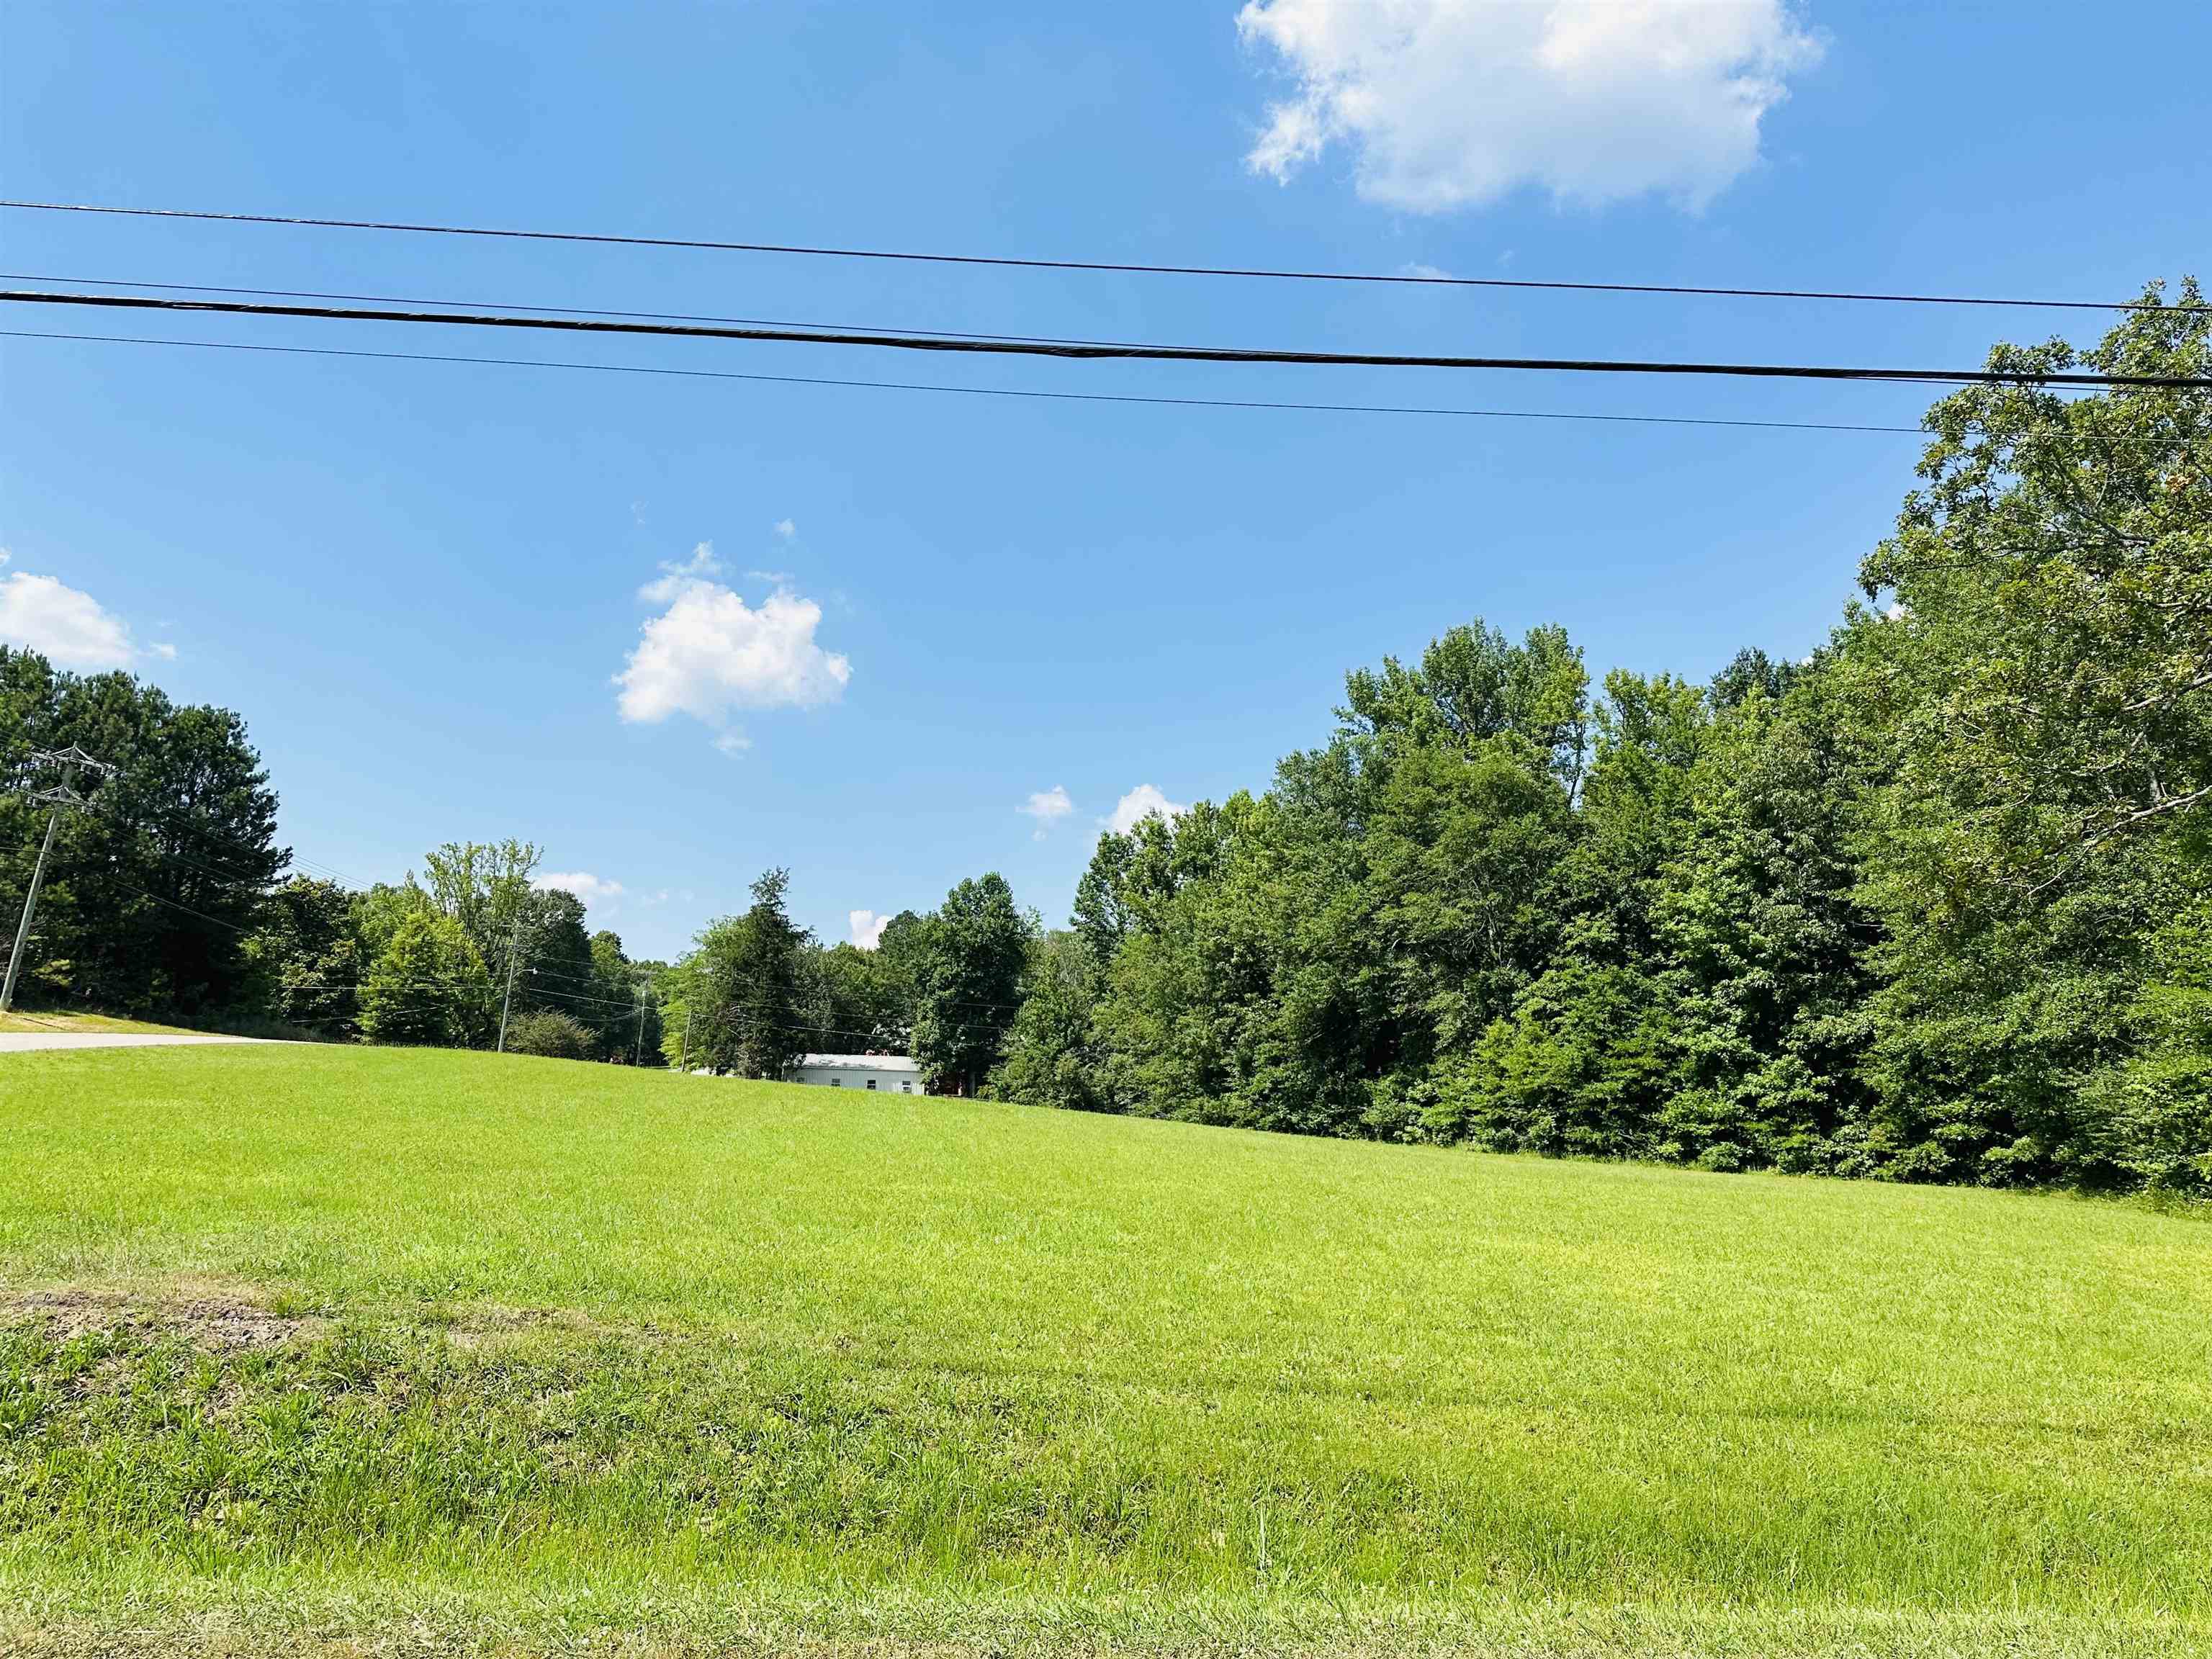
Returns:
point(12, 1041)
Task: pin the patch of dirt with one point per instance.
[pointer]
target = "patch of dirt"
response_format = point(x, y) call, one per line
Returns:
point(223, 1322)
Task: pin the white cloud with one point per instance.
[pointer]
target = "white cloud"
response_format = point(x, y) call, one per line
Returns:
point(1047, 807)
point(162, 649)
point(1453, 103)
point(778, 577)
point(710, 654)
point(867, 928)
point(1145, 801)
point(72, 630)
point(595, 891)
point(1427, 272)
point(785, 528)
point(702, 566)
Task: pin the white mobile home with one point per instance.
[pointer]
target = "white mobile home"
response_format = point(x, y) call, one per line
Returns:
point(886, 1073)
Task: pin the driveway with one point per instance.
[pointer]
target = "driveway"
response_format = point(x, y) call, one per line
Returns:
point(12, 1041)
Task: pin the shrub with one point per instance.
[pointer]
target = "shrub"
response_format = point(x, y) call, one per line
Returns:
point(551, 1033)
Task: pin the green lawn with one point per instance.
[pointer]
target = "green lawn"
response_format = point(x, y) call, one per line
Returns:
point(308, 1345)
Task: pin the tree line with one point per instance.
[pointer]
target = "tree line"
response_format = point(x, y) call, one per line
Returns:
point(1933, 903)
point(165, 897)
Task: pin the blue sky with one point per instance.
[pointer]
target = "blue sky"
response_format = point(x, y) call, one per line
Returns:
point(420, 582)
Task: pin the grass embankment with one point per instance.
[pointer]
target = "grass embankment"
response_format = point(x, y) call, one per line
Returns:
point(16, 1019)
point(451, 1350)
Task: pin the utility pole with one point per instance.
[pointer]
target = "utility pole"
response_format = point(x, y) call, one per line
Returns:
point(683, 1051)
point(69, 760)
point(513, 952)
point(638, 1057)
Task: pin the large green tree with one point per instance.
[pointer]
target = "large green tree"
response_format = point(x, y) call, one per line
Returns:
point(1052, 1056)
point(741, 986)
point(1764, 950)
point(307, 957)
point(970, 984)
point(485, 887)
point(429, 986)
point(2034, 668)
point(152, 893)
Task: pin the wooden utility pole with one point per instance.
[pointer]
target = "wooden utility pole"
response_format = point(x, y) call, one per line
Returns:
point(513, 951)
point(69, 760)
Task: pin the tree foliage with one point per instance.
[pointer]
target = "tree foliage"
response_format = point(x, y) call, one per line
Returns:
point(741, 986)
point(1935, 904)
point(428, 987)
point(151, 893)
point(969, 983)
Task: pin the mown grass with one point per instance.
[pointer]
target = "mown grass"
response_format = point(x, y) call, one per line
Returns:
point(510, 1351)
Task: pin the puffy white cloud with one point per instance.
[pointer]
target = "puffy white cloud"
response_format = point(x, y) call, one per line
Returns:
point(1453, 103)
point(595, 891)
point(68, 628)
point(710, 654)
point(1145, 801)
point(867, 928)
point(1047, 807)
point(786, 528)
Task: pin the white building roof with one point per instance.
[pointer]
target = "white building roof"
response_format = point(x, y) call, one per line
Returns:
point(859, 1062)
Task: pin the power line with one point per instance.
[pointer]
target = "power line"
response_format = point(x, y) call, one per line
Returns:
point(968, 390)
point(148, 827)
point(1102, 352)
point(1407, 279)
point(726, 1011)
point(2105, 439)
point(202, 915)
point(562, 310)
point(331, 987)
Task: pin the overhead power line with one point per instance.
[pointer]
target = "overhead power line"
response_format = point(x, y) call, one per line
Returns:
point(1409, 279)
point(966, 390)
point(559, 310)
point(1086, 352)
point(2102, 439)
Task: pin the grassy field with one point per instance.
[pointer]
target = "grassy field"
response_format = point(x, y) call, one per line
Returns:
point(435, 1352)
